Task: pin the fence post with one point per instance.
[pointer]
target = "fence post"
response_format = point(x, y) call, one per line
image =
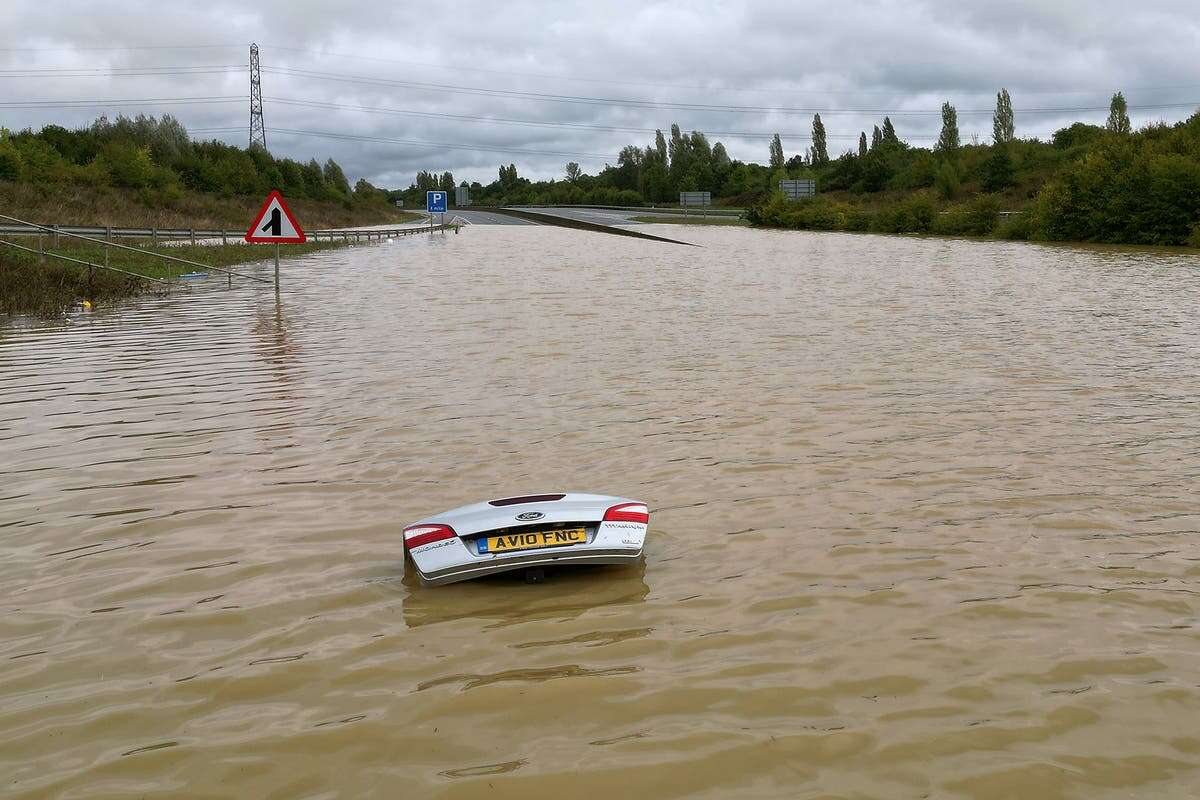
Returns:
point(41, 250)
point(107, 242)
point(55, 235)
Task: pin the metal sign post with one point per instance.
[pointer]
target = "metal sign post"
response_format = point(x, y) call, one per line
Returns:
point(701, 200)
point(435, 203)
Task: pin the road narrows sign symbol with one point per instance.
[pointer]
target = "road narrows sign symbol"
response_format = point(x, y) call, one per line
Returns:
point(275, 224)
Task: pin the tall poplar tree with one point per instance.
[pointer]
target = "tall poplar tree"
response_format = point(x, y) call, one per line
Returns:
point(948, 141)
point(819, 145)
point(1002, 120)
point(720, 158)
point(1118, 115)
point(862, 144)
point(777, 159)
point(889, 132)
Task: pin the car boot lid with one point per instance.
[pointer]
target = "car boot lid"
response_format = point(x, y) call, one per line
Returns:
point(536, 509)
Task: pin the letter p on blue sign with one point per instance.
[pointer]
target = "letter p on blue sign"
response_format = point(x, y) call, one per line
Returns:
point(435, 202)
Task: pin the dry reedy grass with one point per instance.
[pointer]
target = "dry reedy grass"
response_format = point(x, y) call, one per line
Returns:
point(70, 204)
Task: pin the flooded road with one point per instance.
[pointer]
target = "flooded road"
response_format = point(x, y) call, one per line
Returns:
point(924, 524)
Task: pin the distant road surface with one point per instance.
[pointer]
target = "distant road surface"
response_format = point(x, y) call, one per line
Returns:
point(599, 216)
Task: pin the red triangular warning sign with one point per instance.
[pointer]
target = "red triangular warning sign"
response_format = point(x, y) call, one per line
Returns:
point(275, 223)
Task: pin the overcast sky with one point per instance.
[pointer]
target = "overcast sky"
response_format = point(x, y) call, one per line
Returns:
point(576, 68)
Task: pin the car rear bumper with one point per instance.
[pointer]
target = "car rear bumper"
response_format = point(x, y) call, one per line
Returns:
point(476, 568)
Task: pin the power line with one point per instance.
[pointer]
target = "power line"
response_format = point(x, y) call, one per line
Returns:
point(441, 145)
point(34, 71)
point(114, 49)
point(541, 124)
point(410, 142)
point(570, 78)
point(709, 107)
point(132, 73)
point(126, 102)
point(614, 82)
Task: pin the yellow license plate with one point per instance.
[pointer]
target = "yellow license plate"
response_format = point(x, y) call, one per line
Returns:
point(530, 541)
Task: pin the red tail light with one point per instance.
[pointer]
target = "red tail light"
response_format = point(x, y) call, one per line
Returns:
point(418, 535)
point(628, 512)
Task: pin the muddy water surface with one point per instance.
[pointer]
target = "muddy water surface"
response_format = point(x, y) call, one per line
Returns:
point(925, 524)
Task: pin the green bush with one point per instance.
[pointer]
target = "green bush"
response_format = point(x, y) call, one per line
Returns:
point(1015, 227)
point(982, 214)
point(947, 181)
point(998, 169)
point(95, 173)
point(913, 215)
point(859, 219)
point(11, 163)
point(128, 164)
point(1139, 189)
point(976, 217)
point(40, 162)
point(1194, 239)
point(817, 214)
point(952, 222)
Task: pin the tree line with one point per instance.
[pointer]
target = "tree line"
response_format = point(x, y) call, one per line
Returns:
point(1087, 183)
point(656, 172)
point(157, 157)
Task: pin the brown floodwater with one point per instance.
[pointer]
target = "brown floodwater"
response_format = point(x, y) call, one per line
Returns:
point(924, 524)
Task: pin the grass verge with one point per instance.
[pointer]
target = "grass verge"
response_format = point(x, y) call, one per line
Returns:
point(67, 204)
point(28, 286)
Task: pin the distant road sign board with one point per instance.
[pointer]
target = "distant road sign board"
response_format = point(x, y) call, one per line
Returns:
point(275, 224)
point(798, 189)
point(695, 199)
point(462, 196)
point(435, 202)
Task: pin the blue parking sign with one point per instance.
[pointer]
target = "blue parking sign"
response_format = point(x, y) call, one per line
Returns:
point(435, 202)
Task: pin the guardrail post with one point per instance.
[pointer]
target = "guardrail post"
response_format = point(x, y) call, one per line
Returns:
point(41, 250)
point(192, 233)
point(224, 237)
point(154, 236)
point(55, 235)
point(107, 242)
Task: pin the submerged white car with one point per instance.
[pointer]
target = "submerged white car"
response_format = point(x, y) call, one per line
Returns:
point(526, 533)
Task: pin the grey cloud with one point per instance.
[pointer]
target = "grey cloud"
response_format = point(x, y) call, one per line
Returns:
point(851, 60)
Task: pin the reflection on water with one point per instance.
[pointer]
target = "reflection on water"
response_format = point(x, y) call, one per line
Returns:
point(504, 600)
point(924, 524)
